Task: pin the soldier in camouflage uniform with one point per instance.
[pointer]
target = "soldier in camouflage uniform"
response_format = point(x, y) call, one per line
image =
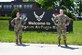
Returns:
point(61, 21)
point(18, 23)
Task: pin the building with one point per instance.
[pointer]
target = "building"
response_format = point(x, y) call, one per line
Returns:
point(18, 0)
point(7, 7)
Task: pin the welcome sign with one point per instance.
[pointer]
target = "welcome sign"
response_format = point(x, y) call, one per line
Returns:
point(40, 20)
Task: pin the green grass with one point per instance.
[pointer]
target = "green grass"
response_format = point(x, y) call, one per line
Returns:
point(4, 18)
point(41, 37)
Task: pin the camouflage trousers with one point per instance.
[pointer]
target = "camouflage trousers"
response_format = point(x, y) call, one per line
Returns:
point(18, 36)
point(63, 33)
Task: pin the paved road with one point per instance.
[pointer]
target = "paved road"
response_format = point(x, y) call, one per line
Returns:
point(39, 49)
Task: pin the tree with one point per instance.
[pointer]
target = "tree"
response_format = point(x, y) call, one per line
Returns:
point(18, 0)
point(28, 0)
point(80, 7)
point(68, 3)
point(46, 3)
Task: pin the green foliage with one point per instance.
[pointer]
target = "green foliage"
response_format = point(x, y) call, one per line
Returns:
point(28, 0)
point(31, 0)
point(13, 14)
point(67, 3)
point(50, 8)
point(46, 3)
point(80, 8)
point(50, 3)
point(69, 14)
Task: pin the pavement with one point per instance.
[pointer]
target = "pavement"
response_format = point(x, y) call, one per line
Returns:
point(39, 49)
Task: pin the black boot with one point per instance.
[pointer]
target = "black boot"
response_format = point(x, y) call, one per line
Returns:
point(16, 38)
point(59, 41)
point(20, 39)
point(65, 43)
point(16, 41)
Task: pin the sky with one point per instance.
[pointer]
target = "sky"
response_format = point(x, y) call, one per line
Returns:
point(6, 0)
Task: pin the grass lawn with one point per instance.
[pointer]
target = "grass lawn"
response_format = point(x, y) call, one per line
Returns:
point(42, 37)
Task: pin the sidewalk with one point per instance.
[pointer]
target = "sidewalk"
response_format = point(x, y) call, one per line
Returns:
point(39, 49)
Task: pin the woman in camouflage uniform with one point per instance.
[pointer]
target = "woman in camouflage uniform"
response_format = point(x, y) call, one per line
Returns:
point(61, 21)
point(18, 23)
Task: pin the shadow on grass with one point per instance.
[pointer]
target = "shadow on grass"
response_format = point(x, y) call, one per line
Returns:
point(68, 47)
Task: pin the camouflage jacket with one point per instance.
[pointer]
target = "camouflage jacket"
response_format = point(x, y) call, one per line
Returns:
point(18, 23)
point(61, 21)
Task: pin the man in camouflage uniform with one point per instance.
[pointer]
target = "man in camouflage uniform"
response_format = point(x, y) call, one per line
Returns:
point(18, 23)
point(61, 21)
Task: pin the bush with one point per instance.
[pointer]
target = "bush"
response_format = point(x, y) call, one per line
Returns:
point(50, 8)
point(69, 14)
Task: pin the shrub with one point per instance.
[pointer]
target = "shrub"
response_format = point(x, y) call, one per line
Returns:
point(69, 14)
point(50, 8)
